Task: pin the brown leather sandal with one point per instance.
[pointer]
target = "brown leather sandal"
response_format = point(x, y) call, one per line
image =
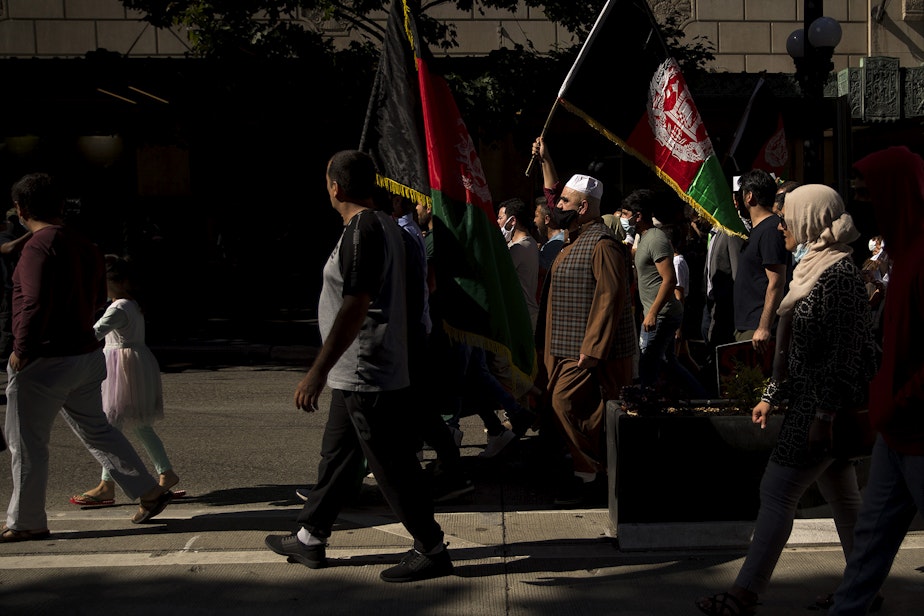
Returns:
point(10, 535)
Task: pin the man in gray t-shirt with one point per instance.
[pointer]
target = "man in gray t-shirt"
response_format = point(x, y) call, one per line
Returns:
point(362, 315)
point(662, 313)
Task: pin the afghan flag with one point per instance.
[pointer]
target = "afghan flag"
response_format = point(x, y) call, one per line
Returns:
point(645, 107)
point(392, 132)
point(760, 140)
point(481, 297)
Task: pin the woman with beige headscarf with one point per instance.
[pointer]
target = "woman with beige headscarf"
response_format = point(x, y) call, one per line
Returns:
point(826, 352)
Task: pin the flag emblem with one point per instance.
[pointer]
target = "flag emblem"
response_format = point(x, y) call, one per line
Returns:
point(674, 119)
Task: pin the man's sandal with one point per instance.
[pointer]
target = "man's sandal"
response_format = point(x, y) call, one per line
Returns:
point(10, 535)
point(725, 604)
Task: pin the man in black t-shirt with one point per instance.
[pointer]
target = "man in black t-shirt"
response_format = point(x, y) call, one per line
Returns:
point(763, 263)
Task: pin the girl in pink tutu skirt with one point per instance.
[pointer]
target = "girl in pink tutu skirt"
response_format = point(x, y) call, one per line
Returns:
point(132, 393)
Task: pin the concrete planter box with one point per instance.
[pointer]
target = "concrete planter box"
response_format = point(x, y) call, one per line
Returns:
point(670, 475)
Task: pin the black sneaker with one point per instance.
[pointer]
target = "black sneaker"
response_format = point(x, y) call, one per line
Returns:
point(312, 556)
point(416, 566)
point(449, 486)
point(569, 492)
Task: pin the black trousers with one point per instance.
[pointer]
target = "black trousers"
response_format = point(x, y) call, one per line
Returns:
point(371, 426)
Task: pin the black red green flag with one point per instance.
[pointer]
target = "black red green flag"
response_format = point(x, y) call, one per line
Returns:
point(760, 140)
point(393, 132)
point(482, 300)
point(645, 107)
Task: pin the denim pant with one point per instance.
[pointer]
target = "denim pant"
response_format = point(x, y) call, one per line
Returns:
point(894, 492)
point(780, 491)
point(657, 352)
point(371, 425)
point(35, 396)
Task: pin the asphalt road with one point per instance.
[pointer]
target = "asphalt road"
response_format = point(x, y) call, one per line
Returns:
point(231, 433)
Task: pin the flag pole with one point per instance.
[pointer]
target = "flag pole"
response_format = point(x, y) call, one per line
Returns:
point(577, 63)
point(548, 120)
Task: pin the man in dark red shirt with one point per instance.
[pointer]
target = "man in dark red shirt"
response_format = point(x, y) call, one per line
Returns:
point(57, 364)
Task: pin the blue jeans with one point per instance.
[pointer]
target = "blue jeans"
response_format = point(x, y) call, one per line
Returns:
point(894, 492)
point(780, 491)
point(657, 353)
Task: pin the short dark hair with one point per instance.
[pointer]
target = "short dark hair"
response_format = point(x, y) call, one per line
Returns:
point(514, 207)
point(38, 196)
point(354, 172)
point(517, 208)
point(761, 184)
point(647, 202)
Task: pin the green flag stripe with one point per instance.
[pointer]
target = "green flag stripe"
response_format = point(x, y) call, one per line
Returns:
point(482, 276)
point(709, 190)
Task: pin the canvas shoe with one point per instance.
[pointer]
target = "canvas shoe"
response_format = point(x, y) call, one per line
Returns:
point(497, 443)
point(415, 566)
point(312, 556)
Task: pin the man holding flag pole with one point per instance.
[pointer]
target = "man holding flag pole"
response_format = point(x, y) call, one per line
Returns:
point(654, 118)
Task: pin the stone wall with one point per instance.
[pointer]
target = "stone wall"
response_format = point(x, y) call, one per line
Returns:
point(748, 35)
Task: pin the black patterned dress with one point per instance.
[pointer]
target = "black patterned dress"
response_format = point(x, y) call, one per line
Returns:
point(832, 358)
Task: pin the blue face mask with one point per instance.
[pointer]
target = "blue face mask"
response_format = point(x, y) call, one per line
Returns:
point(800, 251)
point(625, 224)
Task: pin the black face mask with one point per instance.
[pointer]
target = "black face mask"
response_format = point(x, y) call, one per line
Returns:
point(562, 218)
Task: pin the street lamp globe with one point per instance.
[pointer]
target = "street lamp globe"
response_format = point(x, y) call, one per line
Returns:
point(824, 32)
point(795, 44)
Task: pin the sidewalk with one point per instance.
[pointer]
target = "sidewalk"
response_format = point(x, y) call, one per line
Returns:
point(514, 554)
point(202, 559)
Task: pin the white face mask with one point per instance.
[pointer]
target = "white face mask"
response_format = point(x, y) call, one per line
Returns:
point(872, 245)
point(625, 224)
point(508, 233)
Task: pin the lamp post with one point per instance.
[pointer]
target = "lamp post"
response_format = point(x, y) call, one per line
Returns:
point(812, 55)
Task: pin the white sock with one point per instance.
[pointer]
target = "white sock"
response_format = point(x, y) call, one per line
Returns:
point(585, 477)
point(307, 538)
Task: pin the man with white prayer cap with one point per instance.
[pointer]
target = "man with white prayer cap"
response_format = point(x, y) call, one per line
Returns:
point(589, 340)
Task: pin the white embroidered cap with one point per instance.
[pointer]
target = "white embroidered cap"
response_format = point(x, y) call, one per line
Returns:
point(587, 185)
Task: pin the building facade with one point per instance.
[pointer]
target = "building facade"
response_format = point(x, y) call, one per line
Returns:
point(748, 35)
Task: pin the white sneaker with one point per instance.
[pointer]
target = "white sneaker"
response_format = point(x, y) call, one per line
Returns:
point(456, 435)
point(497, 443)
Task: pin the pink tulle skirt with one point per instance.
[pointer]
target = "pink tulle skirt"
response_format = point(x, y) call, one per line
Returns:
point(132, 391)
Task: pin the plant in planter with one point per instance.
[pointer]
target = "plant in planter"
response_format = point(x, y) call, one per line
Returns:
point(744, 386)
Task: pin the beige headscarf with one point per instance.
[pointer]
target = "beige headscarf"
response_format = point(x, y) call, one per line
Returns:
point(815, 216)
